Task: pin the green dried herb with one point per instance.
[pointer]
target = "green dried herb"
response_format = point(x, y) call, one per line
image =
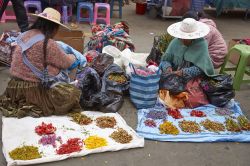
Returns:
point(231, 125)
point(80, 119)
point(189, 126)
point(213, 126)
point(25, 153)
point(168, 128)
point(243, 122)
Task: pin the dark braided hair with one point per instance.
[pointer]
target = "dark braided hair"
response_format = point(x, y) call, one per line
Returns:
point(48, 28)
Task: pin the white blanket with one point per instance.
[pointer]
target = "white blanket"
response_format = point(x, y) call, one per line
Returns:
point(18, 132)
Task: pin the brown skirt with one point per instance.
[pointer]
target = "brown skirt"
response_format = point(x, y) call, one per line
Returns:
point(24, 98)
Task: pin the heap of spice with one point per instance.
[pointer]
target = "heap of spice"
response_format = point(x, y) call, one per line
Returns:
point(150, 123)
point(223, 111)
point(93, 142)
point(168, 128)
point(80, 119)
point(213, 126)
point(50, 140)
point(25, 153)
point(156, 114)
point(45, 129)
point(243, 122)
point(72, 145)
point(232, 126)
point(175, 113)
point(117, 77)
point(121, 136)
point(197, 113)
point(106, 122)
point(189, 126)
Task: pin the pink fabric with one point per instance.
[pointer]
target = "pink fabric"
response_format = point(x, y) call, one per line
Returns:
point(56, 59)
point(217, 46)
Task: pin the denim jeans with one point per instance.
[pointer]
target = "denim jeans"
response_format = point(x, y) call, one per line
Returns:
point(20, 12)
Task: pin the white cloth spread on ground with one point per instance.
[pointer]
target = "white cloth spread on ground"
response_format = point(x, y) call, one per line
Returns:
point(18, 132)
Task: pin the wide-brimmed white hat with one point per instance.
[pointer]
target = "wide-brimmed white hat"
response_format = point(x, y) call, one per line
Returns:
point(189, 28)
point(51, 15)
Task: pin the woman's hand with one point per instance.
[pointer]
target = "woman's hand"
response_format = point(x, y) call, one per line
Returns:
point(179, 72)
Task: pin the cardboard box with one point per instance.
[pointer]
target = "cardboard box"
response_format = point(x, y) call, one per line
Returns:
point(74, 38)
point(234, 58)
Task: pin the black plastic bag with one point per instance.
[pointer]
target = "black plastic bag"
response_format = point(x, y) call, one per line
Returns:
point(102, 62)
point(114, 86)
point(92, 98)
point(219, 89)
point(173, 83)
point(155, 53)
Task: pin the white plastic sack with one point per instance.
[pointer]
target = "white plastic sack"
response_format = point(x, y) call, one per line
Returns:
point(137, 59)
point(115, 53)
point(17, 132)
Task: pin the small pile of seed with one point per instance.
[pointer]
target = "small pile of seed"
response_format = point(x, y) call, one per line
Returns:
point(150, 123)
point(223, 111)
point(80, 119)
point(119, 78)
point(121, 136)
point(189, 126)
point(231, 125)
point(168, 128)
point(156, 114)
point(25, 153)
point(93, 142)
point(243, 122)
point(213, 126)
point(106, 122)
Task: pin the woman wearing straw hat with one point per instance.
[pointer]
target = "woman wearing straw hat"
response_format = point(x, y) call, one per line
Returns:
point(187, 54)
point(40, 85)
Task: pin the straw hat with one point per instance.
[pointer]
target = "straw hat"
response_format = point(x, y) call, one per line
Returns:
point(189, 28)
point(51, 15)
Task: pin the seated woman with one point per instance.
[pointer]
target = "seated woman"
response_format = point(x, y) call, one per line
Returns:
point(39, 86)
point(187, 54)
point(217, 46)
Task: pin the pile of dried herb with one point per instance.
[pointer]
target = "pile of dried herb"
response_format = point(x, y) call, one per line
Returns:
point(80, 119)
point(189, 126)
point(121, 136)
point(72, 145)
point(93, 142)
point(231, 125)
point(119, 78)
point(156, 114)
point(175, 113)
point(243, 122)
point(213, 126)
point(150, 123)
point(25, 153)
point(168, 128)
point(106, 122)
point(50, 140)
point(223, 111)
point(45, 129)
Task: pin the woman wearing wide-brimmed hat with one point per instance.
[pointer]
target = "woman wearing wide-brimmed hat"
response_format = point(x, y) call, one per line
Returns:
point(187, 54)
point(40, 85)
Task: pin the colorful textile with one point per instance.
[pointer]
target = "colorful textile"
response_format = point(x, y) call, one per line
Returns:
point(109, 35)
point(203, 136)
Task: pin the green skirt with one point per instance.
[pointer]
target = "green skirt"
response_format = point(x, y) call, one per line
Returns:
point(24, 98)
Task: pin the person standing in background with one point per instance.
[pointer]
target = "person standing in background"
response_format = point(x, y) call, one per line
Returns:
point(20, 12)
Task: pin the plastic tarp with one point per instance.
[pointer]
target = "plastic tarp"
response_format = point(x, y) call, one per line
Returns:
point(203, 136)
point(17, 132)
